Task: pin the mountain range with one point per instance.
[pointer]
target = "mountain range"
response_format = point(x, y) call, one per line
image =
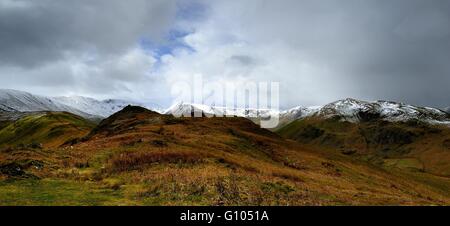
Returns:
point(18, 101)
point(350, 110)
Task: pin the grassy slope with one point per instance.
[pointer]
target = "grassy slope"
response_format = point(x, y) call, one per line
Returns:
point(4, 124)
point(48, 128)
point(401, 145)
point(138, 157)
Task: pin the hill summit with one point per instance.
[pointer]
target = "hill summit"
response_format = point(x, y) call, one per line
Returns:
point(125, 119)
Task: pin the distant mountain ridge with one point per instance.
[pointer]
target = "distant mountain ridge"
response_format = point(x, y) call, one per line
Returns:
point(19, 101)
point(103, 108)
point(353, 110)
point(349, 109)
point(185, 109)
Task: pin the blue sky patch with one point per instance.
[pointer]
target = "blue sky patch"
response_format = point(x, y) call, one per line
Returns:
point(174, 40)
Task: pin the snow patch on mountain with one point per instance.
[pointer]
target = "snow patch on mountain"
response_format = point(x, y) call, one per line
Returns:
point(299, 112)
point(447, 110)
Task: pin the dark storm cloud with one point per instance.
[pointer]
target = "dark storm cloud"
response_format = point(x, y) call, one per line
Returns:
point(319, 51)
point(396, 49)
point(242, 60)
point(36, 32)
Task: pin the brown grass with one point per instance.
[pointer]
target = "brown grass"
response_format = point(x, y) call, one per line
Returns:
point(133, 160)
point(224, 161)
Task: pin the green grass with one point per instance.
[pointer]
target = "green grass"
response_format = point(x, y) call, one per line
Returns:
point(404, 163)
point(57, 192)
point(54, 127)
point(328, 125)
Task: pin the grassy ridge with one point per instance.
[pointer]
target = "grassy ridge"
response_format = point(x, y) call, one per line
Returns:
point(50, 129)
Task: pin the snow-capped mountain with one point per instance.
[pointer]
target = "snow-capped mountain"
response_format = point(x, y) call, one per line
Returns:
point(298, 112)
point(355, 110)
point(447, 110)
point(102, 108)
point(186, 109)
point(19, 101)
point(347, 110)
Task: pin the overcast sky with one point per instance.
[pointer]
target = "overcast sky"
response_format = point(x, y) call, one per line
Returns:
point(319, 51)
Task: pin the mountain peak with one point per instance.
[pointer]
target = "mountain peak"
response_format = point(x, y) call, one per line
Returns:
point(356, 110)
point(124, 120)
point(135, 109)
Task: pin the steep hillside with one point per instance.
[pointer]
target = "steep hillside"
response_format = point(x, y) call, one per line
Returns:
point(47, 129)
point(140, 157)
point(413, 144)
